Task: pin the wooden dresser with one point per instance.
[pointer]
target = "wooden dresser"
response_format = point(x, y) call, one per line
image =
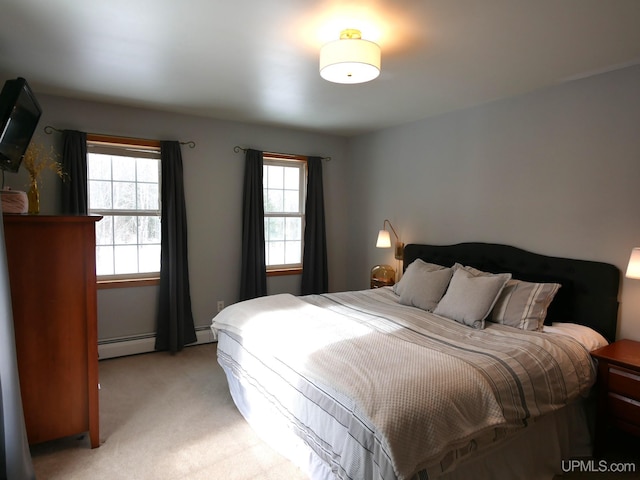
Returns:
point(52, 273)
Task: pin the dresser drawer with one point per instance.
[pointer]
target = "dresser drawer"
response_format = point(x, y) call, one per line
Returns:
point(624, 382)
point(623, 408)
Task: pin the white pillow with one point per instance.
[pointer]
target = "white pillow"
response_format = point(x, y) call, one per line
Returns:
point(419, 265)
point(588, 337)
point(470, 296)
point(423, 288)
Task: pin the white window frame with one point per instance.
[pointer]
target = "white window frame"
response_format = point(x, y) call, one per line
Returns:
point(301, 163)
point(127, 148)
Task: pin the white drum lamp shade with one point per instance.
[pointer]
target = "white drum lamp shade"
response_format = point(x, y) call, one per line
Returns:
point(350, 59)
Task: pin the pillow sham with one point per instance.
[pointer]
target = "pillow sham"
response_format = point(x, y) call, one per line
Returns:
point(420, 266)
point(524, 304)
point(588, 337)
point(424, 288)
point(471, 296)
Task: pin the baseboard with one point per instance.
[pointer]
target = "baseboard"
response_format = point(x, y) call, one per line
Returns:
point(122, 347)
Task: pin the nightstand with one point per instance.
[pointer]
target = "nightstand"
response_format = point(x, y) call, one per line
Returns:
point(618, 390)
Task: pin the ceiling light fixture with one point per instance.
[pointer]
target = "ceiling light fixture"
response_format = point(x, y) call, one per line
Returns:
point(350, 59)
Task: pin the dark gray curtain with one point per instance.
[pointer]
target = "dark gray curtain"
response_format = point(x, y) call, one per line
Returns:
point(74, 164)
point(315, 275)
point(253, 277)
point(175, 327)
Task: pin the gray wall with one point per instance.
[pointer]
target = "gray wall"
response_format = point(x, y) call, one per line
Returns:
point(213, 182)
point(556, 171)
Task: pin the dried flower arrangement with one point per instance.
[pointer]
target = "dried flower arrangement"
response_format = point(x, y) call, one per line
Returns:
point(35, 161)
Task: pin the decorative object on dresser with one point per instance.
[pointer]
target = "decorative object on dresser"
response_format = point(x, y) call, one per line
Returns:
point(382, 276)
point(14, 201)
point(618, 389)
point(36, 160)
point(52, 274)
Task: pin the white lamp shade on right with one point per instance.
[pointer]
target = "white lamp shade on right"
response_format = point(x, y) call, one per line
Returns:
point(633, 269)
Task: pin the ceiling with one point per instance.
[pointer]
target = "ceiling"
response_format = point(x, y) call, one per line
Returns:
point(257, 60)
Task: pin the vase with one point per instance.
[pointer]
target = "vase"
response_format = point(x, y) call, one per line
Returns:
point(34, 197)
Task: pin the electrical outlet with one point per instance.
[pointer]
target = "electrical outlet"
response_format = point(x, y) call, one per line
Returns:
point(220, 305)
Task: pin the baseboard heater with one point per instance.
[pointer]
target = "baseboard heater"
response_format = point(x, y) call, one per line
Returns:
point(120, 347)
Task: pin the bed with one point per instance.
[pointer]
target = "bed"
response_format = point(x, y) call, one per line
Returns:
point(407, 382)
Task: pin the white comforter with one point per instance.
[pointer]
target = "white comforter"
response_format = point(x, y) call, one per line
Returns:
point(381, 390)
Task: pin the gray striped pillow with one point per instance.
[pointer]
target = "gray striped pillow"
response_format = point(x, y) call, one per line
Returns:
point(523, 304)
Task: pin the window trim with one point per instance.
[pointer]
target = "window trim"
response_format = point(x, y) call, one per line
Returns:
point(287, 160)
point(119, 141)
point(281, 272)
point(105, 284)
point(125, 280)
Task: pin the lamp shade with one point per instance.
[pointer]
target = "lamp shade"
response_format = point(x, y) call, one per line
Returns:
point(384, 239)
point(633, 269)
point(350, 59)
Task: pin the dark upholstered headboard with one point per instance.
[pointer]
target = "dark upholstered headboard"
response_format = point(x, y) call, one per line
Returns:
point(589, 292)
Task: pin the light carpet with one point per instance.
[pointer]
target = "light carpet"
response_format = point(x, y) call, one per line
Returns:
point(165, 416)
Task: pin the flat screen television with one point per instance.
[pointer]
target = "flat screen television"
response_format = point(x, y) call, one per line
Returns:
point(19, 116)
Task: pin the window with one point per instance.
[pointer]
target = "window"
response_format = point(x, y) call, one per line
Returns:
point(124, 187)
point(284, 184)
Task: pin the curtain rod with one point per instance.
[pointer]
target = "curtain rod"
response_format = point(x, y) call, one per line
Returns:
point(237, 149)
point(49, 130)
